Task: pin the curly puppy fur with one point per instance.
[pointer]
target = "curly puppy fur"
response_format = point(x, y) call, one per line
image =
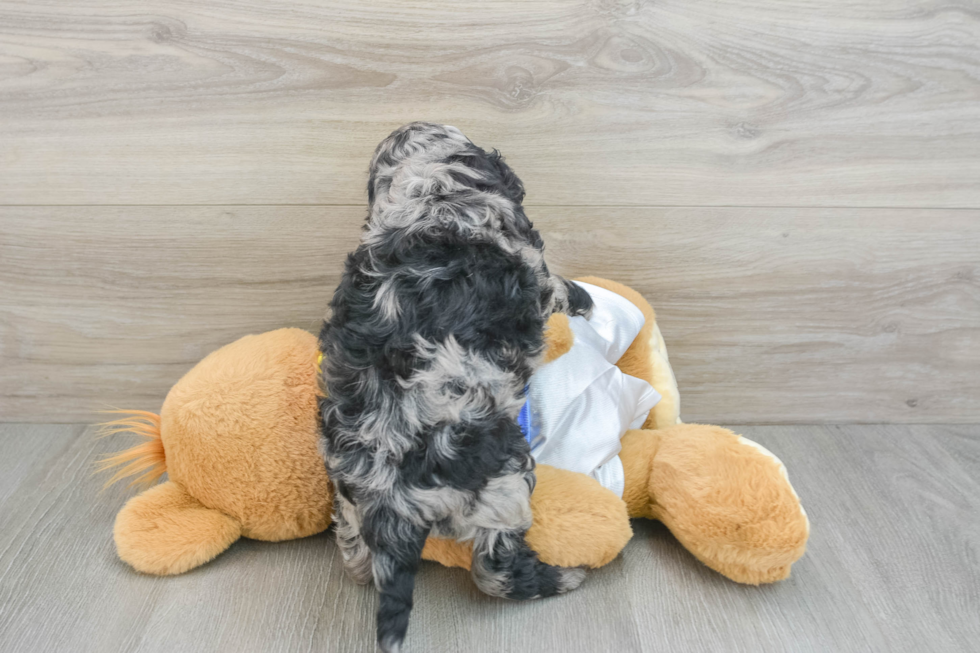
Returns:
point(436, 327)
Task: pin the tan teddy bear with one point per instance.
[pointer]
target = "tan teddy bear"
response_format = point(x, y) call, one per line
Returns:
point(238, 434)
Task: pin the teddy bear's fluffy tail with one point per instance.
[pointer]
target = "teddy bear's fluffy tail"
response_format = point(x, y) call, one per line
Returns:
point(146, 461)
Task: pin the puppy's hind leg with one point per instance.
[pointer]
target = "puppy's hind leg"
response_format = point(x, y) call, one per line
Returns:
point(353, 548)
point(504, 565)
point(396, 548)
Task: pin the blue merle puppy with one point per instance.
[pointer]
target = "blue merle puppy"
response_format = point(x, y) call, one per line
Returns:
point(435, 330)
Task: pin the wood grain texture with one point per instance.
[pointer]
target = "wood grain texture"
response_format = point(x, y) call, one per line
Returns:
point(891, 566)
point(770, 315)
point(599, 102)
point(108, 307)
point(789, 315)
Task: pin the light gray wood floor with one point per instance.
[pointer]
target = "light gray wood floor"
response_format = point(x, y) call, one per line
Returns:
point(893, 565)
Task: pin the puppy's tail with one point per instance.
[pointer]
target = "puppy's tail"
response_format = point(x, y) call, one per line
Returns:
point(395, 562)
point(147, 459)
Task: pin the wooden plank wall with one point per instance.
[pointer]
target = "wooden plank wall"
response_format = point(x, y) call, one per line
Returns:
point(794, 185)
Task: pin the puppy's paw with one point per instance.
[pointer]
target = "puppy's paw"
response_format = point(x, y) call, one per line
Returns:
point(569, 578)
point(579, 301)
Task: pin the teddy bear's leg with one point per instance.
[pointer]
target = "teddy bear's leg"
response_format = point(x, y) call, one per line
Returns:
point(166, 531)
point(725, 498)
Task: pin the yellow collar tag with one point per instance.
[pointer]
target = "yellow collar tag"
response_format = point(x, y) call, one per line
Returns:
point(319, 373)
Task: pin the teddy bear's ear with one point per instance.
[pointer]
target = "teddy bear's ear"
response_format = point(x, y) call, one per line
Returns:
point(166, 531)
point(558, 337)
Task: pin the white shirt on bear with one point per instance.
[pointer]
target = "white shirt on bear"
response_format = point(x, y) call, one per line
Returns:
point(581, 404)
